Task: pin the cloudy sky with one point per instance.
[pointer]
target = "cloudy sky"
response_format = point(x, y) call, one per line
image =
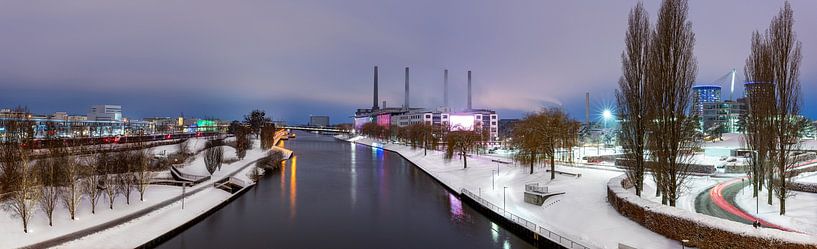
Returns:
point(296, 58)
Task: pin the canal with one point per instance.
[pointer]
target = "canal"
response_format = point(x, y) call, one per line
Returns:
point(334, 194)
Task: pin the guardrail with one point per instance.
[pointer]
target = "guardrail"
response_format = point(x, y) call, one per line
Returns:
point(561, 240)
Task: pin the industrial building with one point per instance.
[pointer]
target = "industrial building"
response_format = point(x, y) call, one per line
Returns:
point(469, 119)
point(105, 121)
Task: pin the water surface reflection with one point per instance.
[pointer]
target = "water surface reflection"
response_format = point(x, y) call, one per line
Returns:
point(337, 195)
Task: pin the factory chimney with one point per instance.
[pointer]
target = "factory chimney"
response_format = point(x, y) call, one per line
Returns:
point(587, 109)
point(469, 89)
point(406, 105)
point(374, 100)
point(445, 88)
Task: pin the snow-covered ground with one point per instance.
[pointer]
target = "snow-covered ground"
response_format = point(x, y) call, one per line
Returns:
point(138, 231)
point(801, 211)
point(810, 177)
point(581, 214)
point(694, 186)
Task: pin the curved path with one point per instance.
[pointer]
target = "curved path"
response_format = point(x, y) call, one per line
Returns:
point(719, 201)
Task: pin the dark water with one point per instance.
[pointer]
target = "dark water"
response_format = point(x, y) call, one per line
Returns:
point(338, 195)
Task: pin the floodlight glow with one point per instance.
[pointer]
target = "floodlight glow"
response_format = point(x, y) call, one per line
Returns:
point(606, 114)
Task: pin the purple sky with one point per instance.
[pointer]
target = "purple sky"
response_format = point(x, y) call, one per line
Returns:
point(295, 58)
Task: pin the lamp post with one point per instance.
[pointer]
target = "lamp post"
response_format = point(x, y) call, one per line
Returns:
point(504, 189)
point(184, 188)
point(493, 181)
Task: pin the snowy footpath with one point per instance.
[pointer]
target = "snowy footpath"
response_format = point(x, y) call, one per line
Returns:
point(159, 213)
point(801, 212)
point(581, 214)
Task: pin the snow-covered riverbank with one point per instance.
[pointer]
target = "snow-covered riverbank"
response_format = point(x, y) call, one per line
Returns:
point(581, 214)
point(129, 226)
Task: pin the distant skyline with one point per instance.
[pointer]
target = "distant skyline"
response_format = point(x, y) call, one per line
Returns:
point(296, 58)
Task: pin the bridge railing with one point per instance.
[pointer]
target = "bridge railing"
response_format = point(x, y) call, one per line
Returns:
point(544, 232)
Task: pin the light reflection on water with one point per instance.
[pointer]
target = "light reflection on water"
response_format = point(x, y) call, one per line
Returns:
point(293, 186)
point(353, 173)
point(456, 208)
point(346, 197)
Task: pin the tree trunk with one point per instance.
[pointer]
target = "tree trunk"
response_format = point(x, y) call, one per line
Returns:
point(552, 168)
point(769, 189)
point(464, 161)
point(782, 195)
point(531, 167)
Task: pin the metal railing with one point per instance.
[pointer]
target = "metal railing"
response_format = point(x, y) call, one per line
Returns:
point(550, 235)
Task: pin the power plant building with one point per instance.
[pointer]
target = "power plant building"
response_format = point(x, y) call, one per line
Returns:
point(468, 119)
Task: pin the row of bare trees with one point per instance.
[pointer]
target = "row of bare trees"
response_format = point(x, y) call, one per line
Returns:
point(430, 136)
point(421, 135)
point(772, 125)
point(539, 136)
point(61, 178)
point(373, 130)
point(653, 98)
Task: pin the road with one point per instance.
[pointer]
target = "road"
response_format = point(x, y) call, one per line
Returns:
point(719, 201)
point(705, 205)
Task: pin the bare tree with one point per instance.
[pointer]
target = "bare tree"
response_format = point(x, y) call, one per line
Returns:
point(671, 70)
point(94, 177)
point(530, 150)
point(461, 143)
point(256, 119)
point(143, 174)
point(630, 95)
point(125, 167)
point(184, 148)
point(551, 127)
point(109, 180)
point(757, 123)
point(19, 179)
point(786, 57)
point(71, 191)
point(48, 175)
point(373, 130)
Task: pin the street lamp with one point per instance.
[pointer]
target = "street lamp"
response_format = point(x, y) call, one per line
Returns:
point(504, 189)
point(606, 115)
point(493, 182)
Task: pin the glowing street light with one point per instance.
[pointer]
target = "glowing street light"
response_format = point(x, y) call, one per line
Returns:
point(607, 114)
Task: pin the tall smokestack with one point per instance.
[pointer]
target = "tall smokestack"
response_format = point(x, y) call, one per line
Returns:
point(406, 105)
point(374, 100)
point(469, 89)
point(587, 109)
point(445, 89)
